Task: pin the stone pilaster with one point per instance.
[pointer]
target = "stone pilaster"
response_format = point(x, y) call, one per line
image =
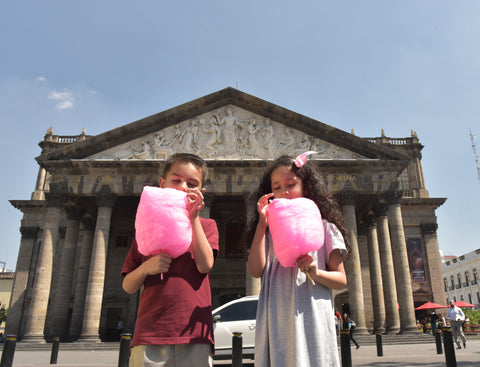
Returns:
point(352, 263)
point(392, 317)
point(252, 285)
point(63, 289)
point(400, 261)
point(96, 276)
point(36, 316)
point(16, 307)
point(88, 226)
point(429, 231)
point(375, 276)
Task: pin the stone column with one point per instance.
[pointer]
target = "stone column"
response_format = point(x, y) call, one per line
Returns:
point(429, 231)
point(88, 225)
point(400, 261)
point(352, 264)
point(96, 276)
point(36, 316)
point(39, 193)
point(392, 318)
point(15, 309)
point(252, 285)
point(63, 289)
point(375, 276)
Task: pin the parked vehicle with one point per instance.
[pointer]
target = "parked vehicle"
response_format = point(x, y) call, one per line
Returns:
point(236, 316)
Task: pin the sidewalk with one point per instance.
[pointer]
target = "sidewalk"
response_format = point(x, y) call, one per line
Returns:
point(403, 355)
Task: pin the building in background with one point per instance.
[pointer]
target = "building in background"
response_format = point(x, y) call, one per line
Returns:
point(460, 277)
point(79, 222)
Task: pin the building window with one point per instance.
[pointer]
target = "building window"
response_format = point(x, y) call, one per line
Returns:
point(475, 277)
point(467, 279)
point(459, 281)
point(445, 284)
point(478, 297)
point(403, 180)
point(469, 298)
point(452, 284)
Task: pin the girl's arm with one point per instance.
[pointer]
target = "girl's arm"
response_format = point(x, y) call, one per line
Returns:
point(334, 277)
point(256, 256)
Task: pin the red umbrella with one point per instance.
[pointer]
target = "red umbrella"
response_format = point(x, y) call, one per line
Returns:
point(430, 306)
point(464, 304)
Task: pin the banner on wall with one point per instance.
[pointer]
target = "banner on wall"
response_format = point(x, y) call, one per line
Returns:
point(416, 260)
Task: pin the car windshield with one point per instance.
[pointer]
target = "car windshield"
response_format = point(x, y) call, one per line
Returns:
point(239, 311)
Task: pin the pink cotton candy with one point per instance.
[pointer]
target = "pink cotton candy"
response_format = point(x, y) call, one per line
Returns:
point(162, 223)
point(296, 227)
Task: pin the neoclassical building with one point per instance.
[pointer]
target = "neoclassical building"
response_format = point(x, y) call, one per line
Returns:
point(79, 222)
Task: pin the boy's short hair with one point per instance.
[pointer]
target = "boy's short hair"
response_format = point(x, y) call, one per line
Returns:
point(198, 162)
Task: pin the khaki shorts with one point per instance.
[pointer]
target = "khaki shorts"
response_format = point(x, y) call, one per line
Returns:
point(176, 355)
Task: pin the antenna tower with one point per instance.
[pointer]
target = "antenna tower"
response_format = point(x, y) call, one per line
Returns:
point(474, 147)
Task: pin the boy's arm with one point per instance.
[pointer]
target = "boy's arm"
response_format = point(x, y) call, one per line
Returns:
point(155, 265)
point(202, 251)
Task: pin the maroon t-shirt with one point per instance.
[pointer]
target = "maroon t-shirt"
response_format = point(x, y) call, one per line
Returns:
point(177, 309)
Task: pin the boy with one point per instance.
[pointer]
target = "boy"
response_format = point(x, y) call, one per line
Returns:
point(174, 325)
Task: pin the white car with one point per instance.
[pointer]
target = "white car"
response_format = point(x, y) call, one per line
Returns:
point(235, 316)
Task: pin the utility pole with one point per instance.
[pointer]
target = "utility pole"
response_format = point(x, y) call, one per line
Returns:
point(474, 147)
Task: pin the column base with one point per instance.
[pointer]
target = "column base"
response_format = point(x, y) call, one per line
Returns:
point(34, 338)
point(361, 331)
point(409, 330)
point(393, 330)
point(89, 338)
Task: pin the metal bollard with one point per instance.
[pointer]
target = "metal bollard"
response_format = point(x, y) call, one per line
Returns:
point(237, 352)
point(450, 358)
point(124, 353)
point(8, 351)
point(438, 341)
point(55, 347)
point(379, 344)
point(345, 348)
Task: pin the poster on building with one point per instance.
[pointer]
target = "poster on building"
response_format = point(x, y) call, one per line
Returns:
point(416, 259)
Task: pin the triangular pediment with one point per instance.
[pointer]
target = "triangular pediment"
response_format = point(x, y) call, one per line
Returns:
point(225, 125)
point(228, 133)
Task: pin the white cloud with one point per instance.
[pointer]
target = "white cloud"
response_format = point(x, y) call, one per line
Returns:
point(40, 79)
point(64, 99)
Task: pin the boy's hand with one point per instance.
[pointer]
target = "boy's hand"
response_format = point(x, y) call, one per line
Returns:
point(157, 264)
point(195, 202)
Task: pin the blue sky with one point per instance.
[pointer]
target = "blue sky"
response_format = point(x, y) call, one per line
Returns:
point(366, 65)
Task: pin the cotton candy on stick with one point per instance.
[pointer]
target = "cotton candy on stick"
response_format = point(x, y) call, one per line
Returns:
point(296, 228)
point(162, 222)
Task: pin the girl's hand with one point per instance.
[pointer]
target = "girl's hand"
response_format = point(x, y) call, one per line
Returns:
point(195, 202)
point(306, 264)
point(262, 205)
point(157, 264)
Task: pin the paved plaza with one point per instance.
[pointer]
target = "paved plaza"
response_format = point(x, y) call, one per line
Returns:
point(403, 355)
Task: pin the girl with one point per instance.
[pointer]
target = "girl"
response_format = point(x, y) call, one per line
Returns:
point(294, 318)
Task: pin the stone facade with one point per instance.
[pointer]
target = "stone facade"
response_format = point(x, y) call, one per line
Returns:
point(79, 223)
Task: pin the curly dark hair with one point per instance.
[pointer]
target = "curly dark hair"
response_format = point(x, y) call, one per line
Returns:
point(314, 188)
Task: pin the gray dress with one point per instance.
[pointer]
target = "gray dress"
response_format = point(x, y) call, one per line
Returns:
point(295, 326)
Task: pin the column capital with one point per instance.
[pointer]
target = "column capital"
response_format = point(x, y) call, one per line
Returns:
point(74, 211)
point(393, 197)
point(429, 228)
point(347, 197)
point(28, 232)
point(88, 222)
point(105, 197)
point(370, 221)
